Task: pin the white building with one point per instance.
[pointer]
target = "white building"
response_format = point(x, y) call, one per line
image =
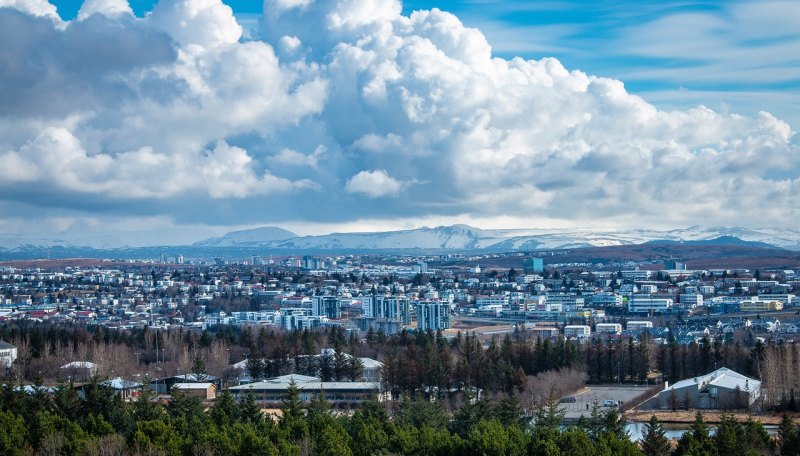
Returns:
point(568, 302)
point(646, 304)
point(639, 325)
point(608, 328)
point(690, 300)
point(492, 301)
point(578, 331)
point(8, 353)
point(786, 299)
point(648, 289)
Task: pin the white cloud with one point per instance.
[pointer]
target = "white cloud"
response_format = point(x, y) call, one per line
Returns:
point(374, 184)
point(35, 7)
point(175, 114)
point(206, 23)
point(110, 8)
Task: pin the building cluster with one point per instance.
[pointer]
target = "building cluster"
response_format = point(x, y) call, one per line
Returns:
point(392, 294)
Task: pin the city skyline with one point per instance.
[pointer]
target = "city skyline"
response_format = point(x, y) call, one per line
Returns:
point(189, 119)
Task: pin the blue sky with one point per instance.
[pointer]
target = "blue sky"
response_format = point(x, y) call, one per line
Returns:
point(340, 115)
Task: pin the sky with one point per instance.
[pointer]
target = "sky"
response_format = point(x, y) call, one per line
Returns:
point(150, 122)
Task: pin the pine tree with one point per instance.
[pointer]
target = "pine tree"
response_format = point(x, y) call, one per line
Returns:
point(293, 420)
point(248, 410)
point(655, 442)
point(788, 437)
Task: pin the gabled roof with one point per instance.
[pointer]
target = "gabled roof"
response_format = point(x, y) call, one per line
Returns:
point(722, 377)
point(5, 345)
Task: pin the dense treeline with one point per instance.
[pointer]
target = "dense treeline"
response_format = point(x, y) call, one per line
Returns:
point(414, 362)
point(93, 421)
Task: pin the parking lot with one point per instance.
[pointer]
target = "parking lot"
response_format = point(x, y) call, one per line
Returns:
point(585, 398)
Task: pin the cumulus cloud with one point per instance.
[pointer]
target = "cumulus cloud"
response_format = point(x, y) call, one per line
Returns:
point(341, 105)
point(35, 7)
point(373, 184)
point(110, 8)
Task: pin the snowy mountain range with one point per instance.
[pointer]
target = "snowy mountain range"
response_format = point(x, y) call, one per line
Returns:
point(464, 237)
point(441, 238)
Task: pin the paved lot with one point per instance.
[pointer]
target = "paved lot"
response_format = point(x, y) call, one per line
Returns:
point(595, 393)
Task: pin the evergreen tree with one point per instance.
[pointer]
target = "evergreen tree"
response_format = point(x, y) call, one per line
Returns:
point(248, 410)
point(788, 437)
point(293, 421)
point(199, 368)
point(655, 442)
point(226, 409)
point(508, 411)
point(549, 416)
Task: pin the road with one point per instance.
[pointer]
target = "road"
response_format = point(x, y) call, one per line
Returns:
point(595, 393)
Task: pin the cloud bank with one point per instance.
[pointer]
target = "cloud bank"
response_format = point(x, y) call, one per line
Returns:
point(347, 110)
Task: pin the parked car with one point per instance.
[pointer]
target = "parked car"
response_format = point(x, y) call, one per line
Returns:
point(610, 403)
point(568, 399)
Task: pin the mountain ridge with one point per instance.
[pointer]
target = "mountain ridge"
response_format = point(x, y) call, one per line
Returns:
point(458, 237)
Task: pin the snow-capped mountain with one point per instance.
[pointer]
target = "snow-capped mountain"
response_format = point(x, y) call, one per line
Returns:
point(442, 238)
point(248, 237)
point(464, 237)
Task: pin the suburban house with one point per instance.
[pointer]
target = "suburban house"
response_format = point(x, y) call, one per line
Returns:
point(164, 385)
point(721, 389)
point(205, 391)
point(78, 371)
point(8, 353)
point(125, 389)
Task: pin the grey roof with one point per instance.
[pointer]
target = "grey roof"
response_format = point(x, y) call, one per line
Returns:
point(723, 377)
point(119, 383)
point(5, 345)
point(310, 386)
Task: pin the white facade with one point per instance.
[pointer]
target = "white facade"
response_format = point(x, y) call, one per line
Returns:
point(608, 328)
point(577, 331)
point(690, 300)
point(568, 302)
point(648, 289)
point(639, 325)
point(646, 304)
point(786, 299)
point(8, 353)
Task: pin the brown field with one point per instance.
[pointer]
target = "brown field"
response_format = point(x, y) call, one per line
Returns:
point(65, 263)
point(687, 416)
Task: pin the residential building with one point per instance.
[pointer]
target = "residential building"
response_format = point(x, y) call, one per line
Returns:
point(608, 328)
point(647, 304)
point(433, 315)
point(205, 390)
point(326, 306)
point(760, 306)
point(690, 300)
point(8, 353)
point(639, 325)
point(579, 331)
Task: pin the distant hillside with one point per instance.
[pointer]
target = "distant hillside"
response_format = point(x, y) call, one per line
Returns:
point(441, 239)
point(248, 237)
point(722, 240)
point(467, 238)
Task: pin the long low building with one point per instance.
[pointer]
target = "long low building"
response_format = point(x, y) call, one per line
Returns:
point(273, 391)
point(721, 389)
